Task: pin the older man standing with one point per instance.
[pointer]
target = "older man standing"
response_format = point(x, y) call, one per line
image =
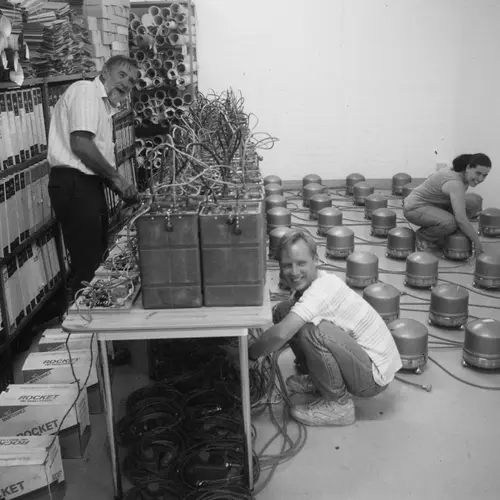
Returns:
point(82, 160)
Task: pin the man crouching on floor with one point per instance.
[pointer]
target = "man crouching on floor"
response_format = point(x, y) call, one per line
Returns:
point(341, 344)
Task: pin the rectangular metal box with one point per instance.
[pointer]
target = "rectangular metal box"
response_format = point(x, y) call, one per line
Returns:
point(233, 250)
point(169, 259)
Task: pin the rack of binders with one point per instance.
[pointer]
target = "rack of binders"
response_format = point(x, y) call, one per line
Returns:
point(33, 260)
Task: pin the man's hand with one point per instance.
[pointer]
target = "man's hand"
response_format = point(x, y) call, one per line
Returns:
point(125, 189)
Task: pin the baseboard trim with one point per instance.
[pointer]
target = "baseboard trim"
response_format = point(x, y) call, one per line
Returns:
point(340, 183)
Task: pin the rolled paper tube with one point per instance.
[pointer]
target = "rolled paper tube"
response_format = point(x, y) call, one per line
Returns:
point(164, 123)
point(173, 92)
point(134, 24)
point(186, 80)
point(186, 67)
point(139, 143)
point(137, 122)
point(172, 74)
point(177, 8)
point(178, 102)
point(158, 82)
point(157, 163)
point(168, 102)
point(169, 64)
point(180, 18)
point(144, 98)
point(146, 64)
point(139, 107)
point(188, 98)
point(147, 19)
point(150, 55)
point(149, 143)
point(179, 112)
point(158, 20)
point(154, 10)
point(182, 28)
point(132, 16)
point(143, 83)
point(179, 58)
point(170, 113)
point(151, 73)
point(155, 119)
point(165, 12)
point(153, 30)
point(160, 95)
point(141, 30)
point(144, 41)
point(160, 40)
point(158, 139)
point(171, 25)
point(157, 63)
point(148, 112)
point(176, 39)
point(140, 56)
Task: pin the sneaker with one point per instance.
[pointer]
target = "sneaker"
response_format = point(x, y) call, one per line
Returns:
point(301, 384)
point(321, 412)
point(423, 245)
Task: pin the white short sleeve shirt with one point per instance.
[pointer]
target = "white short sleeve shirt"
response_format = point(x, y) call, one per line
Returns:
point(330, 299)
point(84, 106)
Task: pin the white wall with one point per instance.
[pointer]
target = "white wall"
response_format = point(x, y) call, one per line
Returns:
point(371, 86)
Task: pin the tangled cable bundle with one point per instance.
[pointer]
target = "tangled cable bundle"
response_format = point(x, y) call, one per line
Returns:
point(154, 456)
point(156, 489)
point(214, 464)
point(159, 390)
point(152, 414)
point(232, 492)
point(211, 149)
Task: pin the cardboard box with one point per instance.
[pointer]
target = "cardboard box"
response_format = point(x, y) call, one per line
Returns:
point(54, 367)
point(37, 410)
point(31, 468)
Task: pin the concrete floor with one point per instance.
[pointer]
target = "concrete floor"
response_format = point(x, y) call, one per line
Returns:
point(407, 444)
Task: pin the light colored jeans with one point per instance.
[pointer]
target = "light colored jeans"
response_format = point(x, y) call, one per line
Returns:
point(337, 364)
point(436, 223)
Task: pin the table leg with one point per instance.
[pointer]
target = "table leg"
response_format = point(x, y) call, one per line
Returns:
point(247, 409)
point(110, 421)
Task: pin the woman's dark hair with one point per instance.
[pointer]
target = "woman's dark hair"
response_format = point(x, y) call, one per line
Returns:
point(460, 163)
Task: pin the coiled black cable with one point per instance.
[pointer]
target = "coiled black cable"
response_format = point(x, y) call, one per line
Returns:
point(227, 493)
point(214, 465)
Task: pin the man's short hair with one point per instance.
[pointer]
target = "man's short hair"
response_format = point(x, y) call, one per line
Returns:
point(293, 237)
point(119, 60)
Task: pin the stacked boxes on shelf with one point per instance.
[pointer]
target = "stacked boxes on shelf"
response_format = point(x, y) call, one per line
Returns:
point(107, 23)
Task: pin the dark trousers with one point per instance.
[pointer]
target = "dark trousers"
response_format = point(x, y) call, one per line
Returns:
point(80, 207)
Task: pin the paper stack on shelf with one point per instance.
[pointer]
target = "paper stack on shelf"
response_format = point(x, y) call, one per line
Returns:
point(57, 38)
point(108, 28)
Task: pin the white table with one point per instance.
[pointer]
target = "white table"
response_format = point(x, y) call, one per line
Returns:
point(204, 322)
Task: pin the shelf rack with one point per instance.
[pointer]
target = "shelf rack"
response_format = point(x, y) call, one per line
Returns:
point(125, 160)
